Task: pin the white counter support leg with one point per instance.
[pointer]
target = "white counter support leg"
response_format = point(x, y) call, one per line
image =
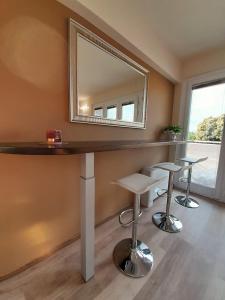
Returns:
point(87, 216)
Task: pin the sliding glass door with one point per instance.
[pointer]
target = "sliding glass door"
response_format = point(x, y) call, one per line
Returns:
point(205, 131)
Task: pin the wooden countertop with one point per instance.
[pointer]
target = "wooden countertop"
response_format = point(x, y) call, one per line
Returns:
point(69, 148)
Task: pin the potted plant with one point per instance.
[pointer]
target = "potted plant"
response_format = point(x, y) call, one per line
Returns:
point(173, 131)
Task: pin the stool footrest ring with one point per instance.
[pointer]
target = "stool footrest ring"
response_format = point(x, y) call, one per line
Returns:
point(161, 192)
point(130, 210)
point(183, 179)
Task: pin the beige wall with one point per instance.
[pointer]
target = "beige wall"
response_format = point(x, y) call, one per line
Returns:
point(40, 195)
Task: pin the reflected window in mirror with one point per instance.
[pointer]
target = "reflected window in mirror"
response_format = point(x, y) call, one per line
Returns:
point(128, 112)
point(112, 112)
point(98, 112)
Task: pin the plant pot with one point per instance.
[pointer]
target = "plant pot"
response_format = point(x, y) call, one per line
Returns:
point(172, 136)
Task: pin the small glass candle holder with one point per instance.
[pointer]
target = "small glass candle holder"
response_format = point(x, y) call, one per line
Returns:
point(58, 136)
point(54, 136)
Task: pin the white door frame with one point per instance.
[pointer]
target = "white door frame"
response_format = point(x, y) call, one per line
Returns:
point(183, 120)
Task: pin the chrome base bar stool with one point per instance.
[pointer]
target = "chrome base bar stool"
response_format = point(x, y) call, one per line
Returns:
point(164, 220)
point(186, 200)
point(131, 256)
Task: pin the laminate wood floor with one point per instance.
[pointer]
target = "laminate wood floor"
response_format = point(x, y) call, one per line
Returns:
point(187, 265)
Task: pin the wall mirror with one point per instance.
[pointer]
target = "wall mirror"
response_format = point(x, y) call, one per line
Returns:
point(106, 86)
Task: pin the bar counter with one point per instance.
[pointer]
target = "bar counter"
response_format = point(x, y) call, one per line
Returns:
point(87, 180)
point(69, 148)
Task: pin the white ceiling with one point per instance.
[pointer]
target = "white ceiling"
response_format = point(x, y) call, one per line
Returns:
point(186, 27)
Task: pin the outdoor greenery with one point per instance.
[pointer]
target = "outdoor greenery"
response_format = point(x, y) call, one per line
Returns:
point(210, 129)
point(191, 136)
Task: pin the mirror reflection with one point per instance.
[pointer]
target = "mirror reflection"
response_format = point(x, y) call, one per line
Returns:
point(107, 87)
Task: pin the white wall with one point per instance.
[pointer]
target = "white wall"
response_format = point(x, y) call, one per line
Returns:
point(203, 63)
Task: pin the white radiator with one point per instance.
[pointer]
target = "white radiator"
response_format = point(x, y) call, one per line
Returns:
point(147, 198)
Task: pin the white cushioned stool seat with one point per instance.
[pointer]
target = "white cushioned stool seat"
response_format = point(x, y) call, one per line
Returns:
point(171, 167)
point(157, 165)
point(137, 183)
point(193, 160)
